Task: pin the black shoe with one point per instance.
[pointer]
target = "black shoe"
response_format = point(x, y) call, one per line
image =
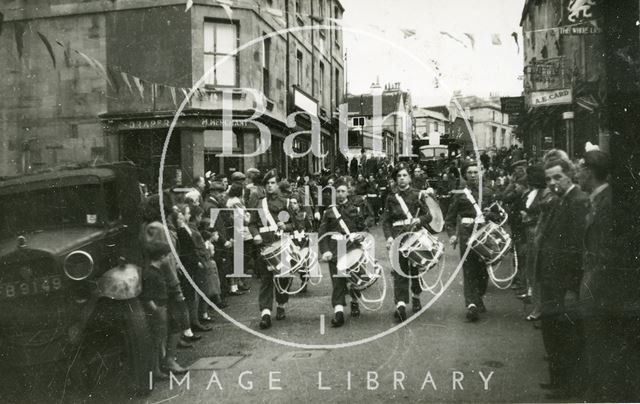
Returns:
point(222, 304)
point(280, 313)
point(244, 288)
point(237, 293)
point(482, 308)
point(338, 321)
point(206, 320)
point(416, 305)
point(355, 309)
point(182, 344)
point(265, 322)
point(472, 312)
point(200, 327)
point(192, 338)
point(401, 314)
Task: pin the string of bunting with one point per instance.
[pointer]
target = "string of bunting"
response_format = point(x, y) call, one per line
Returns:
point(114, 76)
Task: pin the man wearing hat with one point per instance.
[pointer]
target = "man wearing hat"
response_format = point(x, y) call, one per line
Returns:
point(342, 221)
point(405, 211)
point(238, 177)
point(465, 209)
point(273, 209)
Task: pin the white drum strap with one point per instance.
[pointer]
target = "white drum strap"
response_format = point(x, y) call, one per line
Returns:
point(341, 222)
point(404, 207)
point(473, 201)
point(271, 223)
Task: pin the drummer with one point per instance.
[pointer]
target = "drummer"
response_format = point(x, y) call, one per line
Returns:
point(298, 227)
point(466, 209)
point(338, 222)
point(404, 212)
point(264, 234)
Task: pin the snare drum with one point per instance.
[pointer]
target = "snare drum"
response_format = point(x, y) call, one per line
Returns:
point(490, 242)
point(303, 259)
point(272, 254)
point(362, 269)
point(422, 249)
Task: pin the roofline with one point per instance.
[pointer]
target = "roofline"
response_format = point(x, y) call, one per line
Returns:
point(525, 11)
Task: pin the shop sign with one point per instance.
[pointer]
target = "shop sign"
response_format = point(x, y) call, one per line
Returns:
point(555, 97)
point(580, 17)
point(512, 105)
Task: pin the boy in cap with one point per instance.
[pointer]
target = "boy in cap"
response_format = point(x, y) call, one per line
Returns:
point(273, 208)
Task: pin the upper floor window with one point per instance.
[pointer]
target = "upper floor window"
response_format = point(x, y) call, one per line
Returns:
point(299, 69)
point(321, 83)
point(358, 121)
point(266, 58)
point(220, 40)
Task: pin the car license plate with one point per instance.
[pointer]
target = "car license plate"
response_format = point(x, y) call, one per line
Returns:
point(36, 286)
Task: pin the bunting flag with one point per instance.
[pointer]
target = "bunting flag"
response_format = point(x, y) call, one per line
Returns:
point(86, 58)
point(19, 33)
point(67, 57)
point(102, 70)
point(125, 78)
point(495, 39)
point(189, 5)
point(408, 33)
point(139, 85)
point(226, 5)
point(275, 12)
point(186, 94)
point(472, 40)
point(114, 79)
point(453, 37)
point(47, 45)
point(172, 90)
point(515, 38)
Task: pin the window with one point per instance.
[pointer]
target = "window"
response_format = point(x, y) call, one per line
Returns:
point(299, 69)
point(337, 87)
point(358, 121)
point(266, 58)
point(321, 91)
point(220, 39)
point(321, 6)
point(436, 127)
point(336, 15)
point(299, 6)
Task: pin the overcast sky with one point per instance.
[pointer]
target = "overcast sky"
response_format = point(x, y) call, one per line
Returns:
point(487, 68)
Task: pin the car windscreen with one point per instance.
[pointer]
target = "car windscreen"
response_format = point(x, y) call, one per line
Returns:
point(40, 209)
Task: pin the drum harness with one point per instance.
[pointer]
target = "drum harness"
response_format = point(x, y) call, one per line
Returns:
point(423, 283)
point(361, 298)
point(273, 226)
point(507, 281)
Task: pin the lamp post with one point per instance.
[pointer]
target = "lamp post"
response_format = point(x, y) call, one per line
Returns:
point(569, 135)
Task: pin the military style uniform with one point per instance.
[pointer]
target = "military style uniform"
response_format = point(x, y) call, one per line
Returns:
point(330, 231)
point(269, 233)
point(463, 211)
point(396, 222)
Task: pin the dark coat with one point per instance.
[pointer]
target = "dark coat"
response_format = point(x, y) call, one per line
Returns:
point(560, 242)
point(599, 285)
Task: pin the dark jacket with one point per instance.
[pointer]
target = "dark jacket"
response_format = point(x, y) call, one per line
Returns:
point(276, 204)
point(353, 217)
point(461, 207)
point(560, 242)
point(599, 283)
point(393, 212)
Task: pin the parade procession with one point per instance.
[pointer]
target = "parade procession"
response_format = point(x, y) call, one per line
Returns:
point(322, 200)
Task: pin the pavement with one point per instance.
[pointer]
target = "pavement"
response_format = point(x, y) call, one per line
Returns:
point(437, 357)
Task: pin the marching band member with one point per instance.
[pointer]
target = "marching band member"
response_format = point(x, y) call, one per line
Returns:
point(299, 226)
point(404, 210)
point(464, 206)
point(271, 207)
point(343, 218)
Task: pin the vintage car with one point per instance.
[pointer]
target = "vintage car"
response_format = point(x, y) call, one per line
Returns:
point(70, 275)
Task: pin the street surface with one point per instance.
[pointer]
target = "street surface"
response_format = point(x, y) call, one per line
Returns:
point(425, 357)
